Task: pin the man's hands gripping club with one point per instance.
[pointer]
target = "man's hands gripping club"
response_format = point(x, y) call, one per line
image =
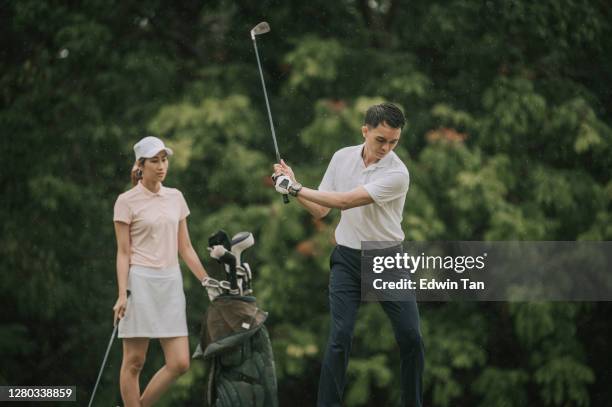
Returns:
point(284, 180)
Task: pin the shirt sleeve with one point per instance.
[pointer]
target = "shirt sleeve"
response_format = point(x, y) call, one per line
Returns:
point(183, 208)
point(392, 186)
point(328, 181)
point(122, 211)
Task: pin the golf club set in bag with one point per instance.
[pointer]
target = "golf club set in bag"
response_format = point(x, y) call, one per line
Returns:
point(234, 341)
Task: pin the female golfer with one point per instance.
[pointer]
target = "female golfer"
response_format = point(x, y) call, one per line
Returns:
point(151, 229)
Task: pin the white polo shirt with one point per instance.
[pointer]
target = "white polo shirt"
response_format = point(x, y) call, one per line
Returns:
point(386, 181)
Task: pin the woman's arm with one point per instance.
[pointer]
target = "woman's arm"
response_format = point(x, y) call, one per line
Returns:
point(122, 232)
point(187, 252)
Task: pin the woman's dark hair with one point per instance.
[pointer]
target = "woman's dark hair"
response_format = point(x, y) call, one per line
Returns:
point(385, 113)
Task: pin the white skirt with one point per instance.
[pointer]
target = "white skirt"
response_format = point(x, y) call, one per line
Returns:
point(156, 304)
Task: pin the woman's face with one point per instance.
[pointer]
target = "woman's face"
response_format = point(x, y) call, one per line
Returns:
point(155, 168)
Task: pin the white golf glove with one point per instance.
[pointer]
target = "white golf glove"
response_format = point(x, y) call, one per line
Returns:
point(282, 183)
point(216, 252)
point(213, 287)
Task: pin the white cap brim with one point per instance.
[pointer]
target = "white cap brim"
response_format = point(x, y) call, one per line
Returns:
point(155, 151)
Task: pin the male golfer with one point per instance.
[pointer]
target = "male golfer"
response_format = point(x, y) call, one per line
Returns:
point(368, 183)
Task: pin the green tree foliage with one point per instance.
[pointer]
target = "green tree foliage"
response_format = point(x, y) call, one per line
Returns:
point(509, 138)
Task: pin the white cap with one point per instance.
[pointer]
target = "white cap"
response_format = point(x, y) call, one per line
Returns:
point(149, 147)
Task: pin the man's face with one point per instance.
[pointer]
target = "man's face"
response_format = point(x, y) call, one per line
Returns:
point(380, 140)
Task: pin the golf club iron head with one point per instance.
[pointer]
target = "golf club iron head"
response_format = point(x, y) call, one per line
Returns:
point(259, 29)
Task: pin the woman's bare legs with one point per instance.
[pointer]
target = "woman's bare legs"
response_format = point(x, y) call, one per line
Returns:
point(176, 353)
point(134, 354)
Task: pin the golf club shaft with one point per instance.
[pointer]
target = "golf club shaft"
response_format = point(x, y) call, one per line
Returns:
point(110, 343)
point(263, 85)
point(108, 348)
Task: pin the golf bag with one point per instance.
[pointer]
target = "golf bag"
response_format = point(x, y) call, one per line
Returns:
point(234, 341)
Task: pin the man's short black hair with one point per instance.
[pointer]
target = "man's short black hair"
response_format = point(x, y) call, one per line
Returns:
point(385, 113)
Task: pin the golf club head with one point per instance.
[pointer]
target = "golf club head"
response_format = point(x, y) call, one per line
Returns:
point(240, 242)
point(259, 29)
point(220, 238)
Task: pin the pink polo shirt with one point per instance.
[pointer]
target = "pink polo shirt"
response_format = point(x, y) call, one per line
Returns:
point(153, 219)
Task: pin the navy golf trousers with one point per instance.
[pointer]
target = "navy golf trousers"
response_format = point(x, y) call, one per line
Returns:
point(344, 300)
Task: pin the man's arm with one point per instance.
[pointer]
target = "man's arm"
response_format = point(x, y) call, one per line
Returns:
point(316, 210)
point(325, 200)
point(319, 203)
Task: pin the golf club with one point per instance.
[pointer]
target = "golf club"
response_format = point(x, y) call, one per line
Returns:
point(110, 344)
point(259, 29)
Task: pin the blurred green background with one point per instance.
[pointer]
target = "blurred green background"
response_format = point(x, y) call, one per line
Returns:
point(509, 137)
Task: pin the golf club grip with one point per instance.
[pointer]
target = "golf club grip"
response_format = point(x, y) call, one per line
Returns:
point(285, 199)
